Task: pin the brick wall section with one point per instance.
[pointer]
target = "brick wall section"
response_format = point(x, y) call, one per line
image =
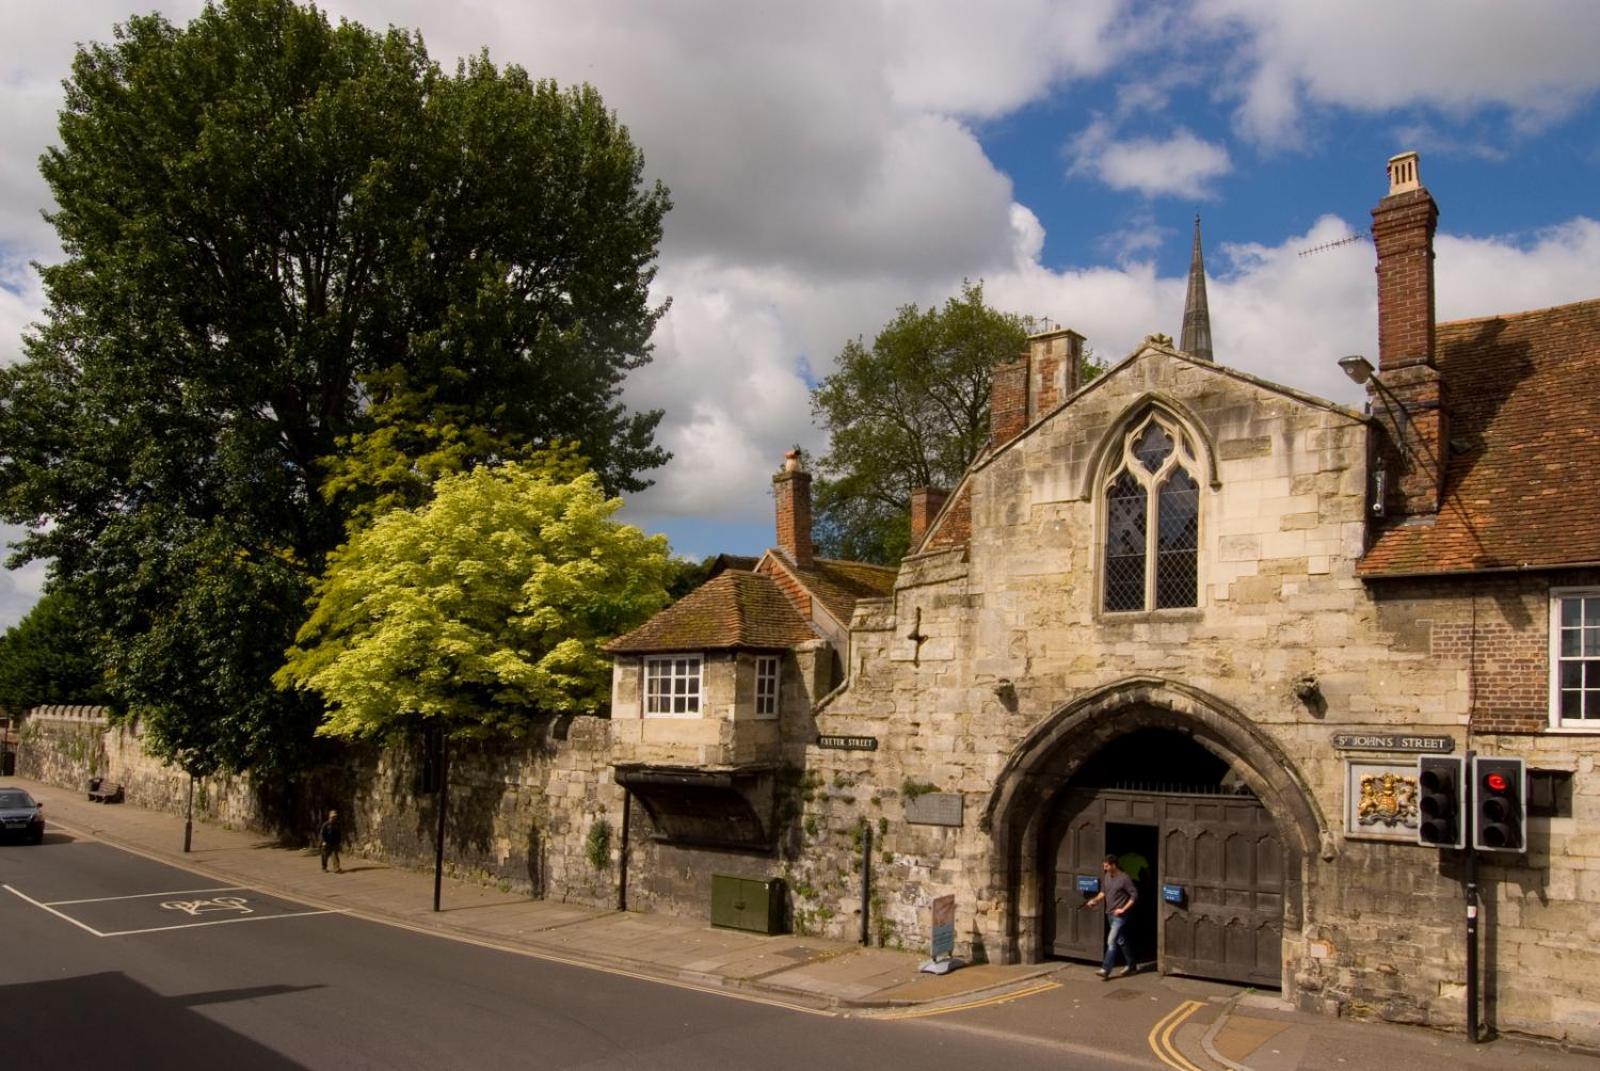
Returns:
point(792, 491)
point(1054, 358)
point(957, 526)
point(926, 502)
point(1008, 400)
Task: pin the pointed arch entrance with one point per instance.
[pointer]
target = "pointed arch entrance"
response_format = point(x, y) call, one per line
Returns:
point(1061, 782)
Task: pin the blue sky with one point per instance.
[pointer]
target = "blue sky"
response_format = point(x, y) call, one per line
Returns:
point(834, 159)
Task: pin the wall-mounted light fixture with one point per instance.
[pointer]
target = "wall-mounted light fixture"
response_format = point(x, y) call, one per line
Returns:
point(1361, 372)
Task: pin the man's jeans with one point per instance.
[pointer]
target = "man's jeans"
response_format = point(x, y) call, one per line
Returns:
point(1114, 941)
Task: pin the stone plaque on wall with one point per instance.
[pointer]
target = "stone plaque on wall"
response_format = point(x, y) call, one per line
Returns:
point(935, 809)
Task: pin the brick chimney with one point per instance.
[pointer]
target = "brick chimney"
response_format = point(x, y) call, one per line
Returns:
point(1035, 382)
point(1412, 408)
point(926, 502)
point(791, 488)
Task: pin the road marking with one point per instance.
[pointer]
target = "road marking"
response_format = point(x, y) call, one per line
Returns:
point(1001, 998)
point(53, 911)
point(1161, 1036)
point(218, 922)
point(151, 895)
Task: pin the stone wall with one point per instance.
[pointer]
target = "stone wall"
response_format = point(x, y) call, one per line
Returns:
point(538, 817)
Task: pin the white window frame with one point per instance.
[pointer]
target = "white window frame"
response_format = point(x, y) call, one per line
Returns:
point(686, 668)
point(1557, 597)
point(774, 678)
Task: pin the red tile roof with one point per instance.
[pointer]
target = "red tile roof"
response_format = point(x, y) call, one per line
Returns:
point(838, 585)
point(1523, 393)
point(735, 609)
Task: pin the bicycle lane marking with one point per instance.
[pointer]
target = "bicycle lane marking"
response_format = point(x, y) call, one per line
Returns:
point(193, 908)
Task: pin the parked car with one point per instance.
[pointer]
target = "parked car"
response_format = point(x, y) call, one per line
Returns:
point(21, 815)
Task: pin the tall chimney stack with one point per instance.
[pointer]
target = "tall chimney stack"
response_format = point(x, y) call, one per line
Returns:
point(791, 488)
point(1411, 398)
point(1037, 381)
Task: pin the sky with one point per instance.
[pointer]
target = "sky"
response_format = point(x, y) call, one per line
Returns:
point(830, 162)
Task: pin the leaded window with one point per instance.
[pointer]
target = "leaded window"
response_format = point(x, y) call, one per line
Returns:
point(1152, 521)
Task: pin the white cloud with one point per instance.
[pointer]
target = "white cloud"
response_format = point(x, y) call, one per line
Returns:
point(1372, 55)
point(1180, 165)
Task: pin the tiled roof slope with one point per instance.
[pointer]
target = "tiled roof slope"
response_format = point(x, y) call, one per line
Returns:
point(837, 585)
point(1524, 399)
point(735, 609)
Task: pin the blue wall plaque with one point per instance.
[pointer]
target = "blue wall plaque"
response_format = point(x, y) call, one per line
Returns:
point(1088, 885)
point(1172, 894)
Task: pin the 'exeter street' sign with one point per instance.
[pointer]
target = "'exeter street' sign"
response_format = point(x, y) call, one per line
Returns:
point(1442, 745)
point(848, 743)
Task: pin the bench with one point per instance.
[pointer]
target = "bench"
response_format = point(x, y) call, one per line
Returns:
point(103, 791)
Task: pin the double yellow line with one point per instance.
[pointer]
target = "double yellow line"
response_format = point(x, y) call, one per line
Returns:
point(1161, 1036)
point(1015, 994)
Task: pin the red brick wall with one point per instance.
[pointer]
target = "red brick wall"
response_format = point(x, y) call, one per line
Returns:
point(926, 502)
point(1008, 400)
point(957, 526)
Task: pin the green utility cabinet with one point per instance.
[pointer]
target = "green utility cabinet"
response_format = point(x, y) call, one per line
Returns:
point(754, 904)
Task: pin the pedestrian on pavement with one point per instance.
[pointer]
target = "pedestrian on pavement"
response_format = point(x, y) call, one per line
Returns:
point(332, 835)
point(1118, 894)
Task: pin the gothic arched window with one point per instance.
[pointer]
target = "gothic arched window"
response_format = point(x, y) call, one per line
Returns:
point(1152, 517)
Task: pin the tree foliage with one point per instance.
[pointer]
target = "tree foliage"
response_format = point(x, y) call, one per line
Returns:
point(307, 273)
point(910, 411)
point(481, 608)
point(49, 657)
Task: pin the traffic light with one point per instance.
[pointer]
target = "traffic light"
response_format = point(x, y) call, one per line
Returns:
point(1439, 790)
point(1501, 788)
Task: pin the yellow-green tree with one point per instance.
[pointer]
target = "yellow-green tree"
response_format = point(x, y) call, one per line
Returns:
point(480, 609)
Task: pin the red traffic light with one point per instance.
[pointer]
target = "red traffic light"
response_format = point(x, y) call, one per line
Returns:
point(1496, 782)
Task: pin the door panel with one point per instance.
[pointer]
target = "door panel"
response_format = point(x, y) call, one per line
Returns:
point(1073, 931)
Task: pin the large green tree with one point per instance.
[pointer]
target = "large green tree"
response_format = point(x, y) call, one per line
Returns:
point(306, 273)
point(481, 609)
point(909, 411)
point(49, 657)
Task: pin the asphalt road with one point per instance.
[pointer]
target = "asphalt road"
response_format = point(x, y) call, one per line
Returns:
point(109, 959)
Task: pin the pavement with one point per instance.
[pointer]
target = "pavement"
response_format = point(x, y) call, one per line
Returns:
point(1210, 1026)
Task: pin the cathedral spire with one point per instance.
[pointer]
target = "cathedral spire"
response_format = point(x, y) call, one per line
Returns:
point(1196, 340)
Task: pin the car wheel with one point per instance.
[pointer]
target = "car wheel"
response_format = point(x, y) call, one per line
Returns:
point(37, 838)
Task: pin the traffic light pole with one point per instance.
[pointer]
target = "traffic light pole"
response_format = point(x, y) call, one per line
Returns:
point(1472, 907)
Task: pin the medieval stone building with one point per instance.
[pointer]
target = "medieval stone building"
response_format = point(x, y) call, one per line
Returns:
point(1196, 619)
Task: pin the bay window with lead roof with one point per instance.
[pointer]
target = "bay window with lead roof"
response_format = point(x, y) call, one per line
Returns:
point(1152, 520)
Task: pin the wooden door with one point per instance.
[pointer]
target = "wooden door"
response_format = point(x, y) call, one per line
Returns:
point(1080, 833)
point(1224, 853)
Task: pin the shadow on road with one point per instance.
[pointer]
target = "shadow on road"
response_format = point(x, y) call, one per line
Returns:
point(67, 1022)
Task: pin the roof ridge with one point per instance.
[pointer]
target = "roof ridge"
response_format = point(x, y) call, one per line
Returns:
point(1524, 314)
